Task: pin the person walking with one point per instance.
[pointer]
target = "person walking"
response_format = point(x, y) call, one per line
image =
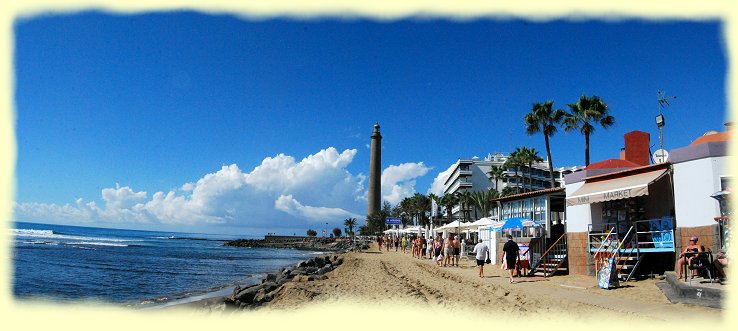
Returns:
point(379, 243)
point(456, 244)
point(437, 250)
point(447, 250)
point(511, 255)
point(397, 242)
point(423, 246)
point(482, 256)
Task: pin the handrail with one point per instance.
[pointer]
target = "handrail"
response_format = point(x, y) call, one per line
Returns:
point(552, 246)
point(609, 233)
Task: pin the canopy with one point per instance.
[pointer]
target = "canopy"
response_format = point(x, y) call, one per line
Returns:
point(414, 229)
point(455, 225)
point(516, 223)
point(614, 189)
point(476, 224)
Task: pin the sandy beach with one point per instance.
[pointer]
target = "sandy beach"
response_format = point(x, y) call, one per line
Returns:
point(390, 278)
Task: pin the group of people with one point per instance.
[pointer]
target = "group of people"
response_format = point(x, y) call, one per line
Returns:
point(447, 252)
point(692, 251)
point(510, 257)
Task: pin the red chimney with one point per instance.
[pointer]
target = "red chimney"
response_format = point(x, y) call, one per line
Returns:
point(636, 147)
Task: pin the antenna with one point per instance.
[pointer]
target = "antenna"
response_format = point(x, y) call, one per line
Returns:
point(662, 100)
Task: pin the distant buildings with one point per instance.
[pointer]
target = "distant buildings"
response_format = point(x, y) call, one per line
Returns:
point(472, 175)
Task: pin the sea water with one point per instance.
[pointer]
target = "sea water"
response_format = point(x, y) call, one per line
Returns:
point(134, 268)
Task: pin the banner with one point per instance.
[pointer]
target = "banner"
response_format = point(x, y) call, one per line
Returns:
point(434, 208)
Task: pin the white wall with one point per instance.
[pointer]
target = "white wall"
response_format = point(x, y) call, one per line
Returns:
point(577, 216)
point(694, 182)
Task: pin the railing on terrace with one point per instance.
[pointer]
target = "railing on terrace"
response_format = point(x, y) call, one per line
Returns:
point(651, 235)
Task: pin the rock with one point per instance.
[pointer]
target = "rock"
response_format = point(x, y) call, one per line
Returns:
point(324, 269)
point(310, 263)
point(301, 278)
point(269, 278)
point(311, 270)
point(339, 261)
point(302, 264)
point(319, 262)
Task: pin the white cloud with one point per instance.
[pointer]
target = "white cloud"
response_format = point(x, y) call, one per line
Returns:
point(398, 181)
point(437, 186)
point(288, 204)
point(279, 192)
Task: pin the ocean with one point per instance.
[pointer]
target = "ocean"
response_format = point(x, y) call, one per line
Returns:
point(142, 269)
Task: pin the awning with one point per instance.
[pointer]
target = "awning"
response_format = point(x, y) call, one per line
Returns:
point(615, 189)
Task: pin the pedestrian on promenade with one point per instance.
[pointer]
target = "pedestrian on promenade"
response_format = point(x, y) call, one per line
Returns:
point(447, 250)
point(456, 244)
point(511, 256)
point(423, 246)
point(482, 256)
point(397, 242)
point(437, 250)
point(388, 240)
point(419, 246)
point(379, 243)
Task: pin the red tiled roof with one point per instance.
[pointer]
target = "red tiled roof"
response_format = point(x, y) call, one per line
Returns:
point(610, 164)
point(720, 136)
point(628, 172)
point(528, 194)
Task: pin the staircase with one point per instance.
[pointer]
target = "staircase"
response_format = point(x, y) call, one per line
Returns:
point(552, 260)
point(624, 250)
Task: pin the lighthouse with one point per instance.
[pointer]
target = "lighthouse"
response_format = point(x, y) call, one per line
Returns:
point(375, 172)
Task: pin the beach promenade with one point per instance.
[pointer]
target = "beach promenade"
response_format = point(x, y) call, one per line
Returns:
point(399, 279)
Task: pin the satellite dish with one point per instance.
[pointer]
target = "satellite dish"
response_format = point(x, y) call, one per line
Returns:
point(660, 156)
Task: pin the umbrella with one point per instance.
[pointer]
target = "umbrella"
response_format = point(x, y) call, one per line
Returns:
point(515, 223)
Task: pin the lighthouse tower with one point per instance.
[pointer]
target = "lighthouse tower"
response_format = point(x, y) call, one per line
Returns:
point(375, 172)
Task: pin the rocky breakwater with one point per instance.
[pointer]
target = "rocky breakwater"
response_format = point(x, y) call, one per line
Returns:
point(313, 244)
point(254, 296)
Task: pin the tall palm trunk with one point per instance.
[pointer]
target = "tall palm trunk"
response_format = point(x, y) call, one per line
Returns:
point(550, 162)
point(586, 149)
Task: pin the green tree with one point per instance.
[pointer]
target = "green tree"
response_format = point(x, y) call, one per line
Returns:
point(336, 232)
point(312, 233)
point(585, 114)
point(515, 161)
point(350, 223)
point(448, 201)
point(481, 200)
point(529, 156)
point(465, 201)
point(542, 118)
point(496, 173)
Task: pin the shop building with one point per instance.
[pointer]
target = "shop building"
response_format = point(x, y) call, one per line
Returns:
point(646, 211)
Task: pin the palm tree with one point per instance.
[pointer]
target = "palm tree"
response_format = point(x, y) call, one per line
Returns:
point(515, 161)
point(349, 223)
point(495, 173)
point(481, 200)
point(465, 199)
point(542, 118)
point(585, 114)
point(528, 156)
point(449, 201)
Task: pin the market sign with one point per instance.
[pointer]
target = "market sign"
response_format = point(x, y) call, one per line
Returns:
point(393, 221)
point(614, 189)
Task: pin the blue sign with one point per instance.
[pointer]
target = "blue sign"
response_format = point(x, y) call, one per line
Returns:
point(394, 221)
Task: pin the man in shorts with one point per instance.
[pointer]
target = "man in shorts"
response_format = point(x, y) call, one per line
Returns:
point(447, 250)
point(482, 255)
point(511, 256)
point(456, 244)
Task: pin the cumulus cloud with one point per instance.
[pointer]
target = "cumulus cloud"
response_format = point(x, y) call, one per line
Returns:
point(398, 181)
point(279, 192)
point(437, 186)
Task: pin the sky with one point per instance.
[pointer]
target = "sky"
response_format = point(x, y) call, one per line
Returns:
point(194, 122)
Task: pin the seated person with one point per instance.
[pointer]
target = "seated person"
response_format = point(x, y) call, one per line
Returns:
point(691, 248)
point(721, 262)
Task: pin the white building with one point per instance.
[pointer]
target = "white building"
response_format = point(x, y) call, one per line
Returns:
point(471, 176)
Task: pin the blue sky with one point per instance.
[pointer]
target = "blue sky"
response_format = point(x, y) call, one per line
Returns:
point(211, 123)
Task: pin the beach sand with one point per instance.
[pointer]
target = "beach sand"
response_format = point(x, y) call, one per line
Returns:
point(373, 280)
